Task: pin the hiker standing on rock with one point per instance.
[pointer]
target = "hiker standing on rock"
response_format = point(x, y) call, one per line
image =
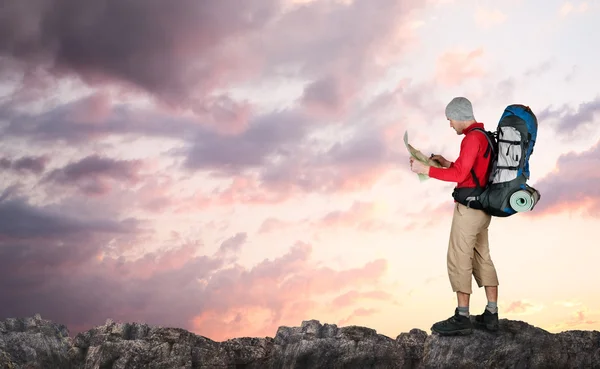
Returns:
point(468, 247)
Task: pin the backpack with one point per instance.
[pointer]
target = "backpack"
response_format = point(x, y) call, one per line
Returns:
point(511, 146)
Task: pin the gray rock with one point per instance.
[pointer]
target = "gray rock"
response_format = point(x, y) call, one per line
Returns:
point(34, 343)
point(515, 345)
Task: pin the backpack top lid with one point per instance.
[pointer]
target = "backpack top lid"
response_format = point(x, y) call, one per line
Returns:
point(525, 113)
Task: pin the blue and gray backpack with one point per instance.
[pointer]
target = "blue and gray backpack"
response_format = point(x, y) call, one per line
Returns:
point(507, 191)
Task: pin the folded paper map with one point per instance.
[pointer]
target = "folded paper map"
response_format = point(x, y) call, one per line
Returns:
point(420, 157)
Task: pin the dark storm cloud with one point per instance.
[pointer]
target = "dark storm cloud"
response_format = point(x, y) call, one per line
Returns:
point(163, 47)
point(20, 220)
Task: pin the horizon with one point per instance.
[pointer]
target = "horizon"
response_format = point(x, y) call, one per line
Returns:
point(232, 167)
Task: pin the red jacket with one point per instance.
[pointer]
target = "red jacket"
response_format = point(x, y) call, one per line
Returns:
point(472, 149)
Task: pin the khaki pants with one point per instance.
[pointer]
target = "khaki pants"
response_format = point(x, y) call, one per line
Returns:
point(468, 250)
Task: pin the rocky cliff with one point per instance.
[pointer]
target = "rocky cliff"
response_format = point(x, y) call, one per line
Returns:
point(34, 343)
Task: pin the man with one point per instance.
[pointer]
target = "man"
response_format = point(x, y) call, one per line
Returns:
point(468, 248)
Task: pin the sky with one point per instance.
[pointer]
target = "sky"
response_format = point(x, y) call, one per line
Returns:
point(229, 167)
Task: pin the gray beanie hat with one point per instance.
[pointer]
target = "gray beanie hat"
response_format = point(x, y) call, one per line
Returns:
point(460, 108)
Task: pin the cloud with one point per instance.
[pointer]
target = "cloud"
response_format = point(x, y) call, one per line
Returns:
point(454, 67)
point(215, 132)
point(233, 244)
point(540, 69)
point(579, 319)
point(277, 158)
point(92, 175)
point(361, 215)
point(89, 118)
point(568, 304)
point(349, 165)
point(64, 266)
point(522, 307)
point(360, 312)
point(187, 54)
point(20, 220)
point(351, 298)
point(24, 164)
point(568, 121)
point(568, 8)
point(84, 76)
point(573, 185)
point(273, 224)
point(327, 96)
point(487, 18)
point(167, 50)
point(266, 139)
point(428, 217)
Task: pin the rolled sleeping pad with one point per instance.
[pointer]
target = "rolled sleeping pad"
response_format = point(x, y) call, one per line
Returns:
point(524, 200)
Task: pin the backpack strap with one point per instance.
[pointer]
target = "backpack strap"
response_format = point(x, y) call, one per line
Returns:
point(489, 149)
point(471, 199)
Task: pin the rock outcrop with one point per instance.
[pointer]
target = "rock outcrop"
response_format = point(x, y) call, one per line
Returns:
point(34, 343)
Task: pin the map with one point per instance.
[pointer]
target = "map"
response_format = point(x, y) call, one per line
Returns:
point(420, 157)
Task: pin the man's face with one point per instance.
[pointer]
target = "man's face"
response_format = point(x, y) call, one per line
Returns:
point(456, 125)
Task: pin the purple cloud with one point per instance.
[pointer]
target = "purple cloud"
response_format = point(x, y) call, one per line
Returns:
point(569, 120)
point(65, 272)
point(19, 220)
point(33, 164)
point(573, 185)
point(91, 173)
point(166, 49)
point(233, 244)
point(270, 135)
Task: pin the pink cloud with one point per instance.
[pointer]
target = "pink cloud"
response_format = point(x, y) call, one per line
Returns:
point(360, 312)
point(156, 194)
point(149, 264)
point(486, 18)
point(272, 224)
point(455, 67)
point(353, 297)
point(224, 135)
point(92, 109)
point(85, 279)
point(519, 307)
point(430, 216)
point(278, 291)
point(361, 215)
point(579, 320)
point(572, 186)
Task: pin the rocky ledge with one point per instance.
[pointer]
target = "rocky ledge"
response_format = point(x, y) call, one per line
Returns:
point(35, 343)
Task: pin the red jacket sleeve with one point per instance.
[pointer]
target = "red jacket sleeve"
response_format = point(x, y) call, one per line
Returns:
point(461, 168)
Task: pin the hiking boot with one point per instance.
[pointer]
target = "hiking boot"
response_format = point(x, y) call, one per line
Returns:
point(487, 320)
point(455, 325)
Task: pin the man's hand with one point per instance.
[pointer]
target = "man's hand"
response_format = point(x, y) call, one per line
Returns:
point(440, 159)
point(418, 167)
